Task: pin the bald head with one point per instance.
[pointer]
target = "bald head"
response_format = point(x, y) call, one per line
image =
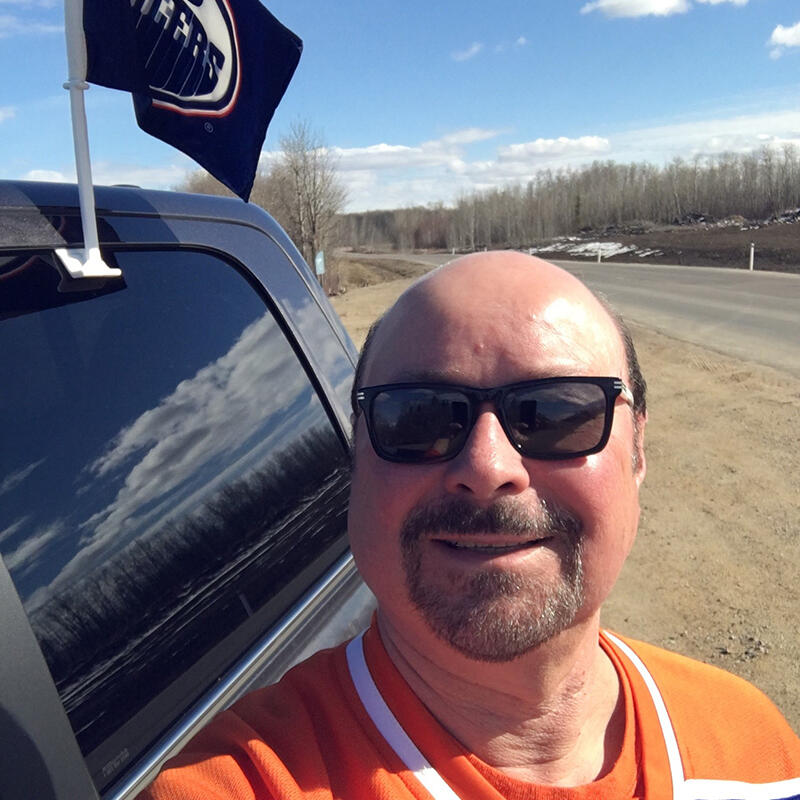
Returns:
point(493, 300)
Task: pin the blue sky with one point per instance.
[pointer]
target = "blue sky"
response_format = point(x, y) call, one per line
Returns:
point(422, 101)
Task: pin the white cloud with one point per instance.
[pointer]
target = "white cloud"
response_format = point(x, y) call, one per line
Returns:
point(549, 147)
point(7, 112)
point(390, 175)
point(470, 52)
point(14, 26)
point(644, 8)
point(738, 134)
point(637, 8)
point(161, 177)
point(783, 37)
point(396, 175)
point(47, 175)
point(468, 136)
point(789, 37)
point(502, 47)
point(385, 156)
point(106, 173)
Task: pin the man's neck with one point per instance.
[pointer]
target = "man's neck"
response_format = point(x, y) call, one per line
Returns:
point(553, 716)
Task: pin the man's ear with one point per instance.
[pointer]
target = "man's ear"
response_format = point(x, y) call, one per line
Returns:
point(639, 461)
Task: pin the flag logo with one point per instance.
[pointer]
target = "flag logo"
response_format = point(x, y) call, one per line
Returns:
point(206, 75)
point(193, 48)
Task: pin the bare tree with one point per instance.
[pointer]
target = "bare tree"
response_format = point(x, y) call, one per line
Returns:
point(300, 187)
point(305, 192)
point(200, 182)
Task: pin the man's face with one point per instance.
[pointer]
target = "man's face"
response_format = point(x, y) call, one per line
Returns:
point(491, 552)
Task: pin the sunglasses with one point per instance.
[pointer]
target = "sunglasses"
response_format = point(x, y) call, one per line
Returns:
point(551, 418)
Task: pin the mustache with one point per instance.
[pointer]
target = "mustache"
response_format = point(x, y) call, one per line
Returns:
point(506, 516)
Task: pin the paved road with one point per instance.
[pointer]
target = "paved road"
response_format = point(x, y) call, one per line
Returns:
point(750, 315)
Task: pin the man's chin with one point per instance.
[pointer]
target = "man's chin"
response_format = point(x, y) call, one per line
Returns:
point(499, 617)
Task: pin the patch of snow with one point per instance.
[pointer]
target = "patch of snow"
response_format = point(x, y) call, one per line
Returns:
point(571, 245)
point(647, 253)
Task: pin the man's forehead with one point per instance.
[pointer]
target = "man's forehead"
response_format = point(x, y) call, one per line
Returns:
point(476, 310)
point(496, 281)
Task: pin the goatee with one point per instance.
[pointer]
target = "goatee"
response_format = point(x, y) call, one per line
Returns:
point(495, 614)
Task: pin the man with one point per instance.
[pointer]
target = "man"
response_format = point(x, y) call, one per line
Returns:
point(498, 455)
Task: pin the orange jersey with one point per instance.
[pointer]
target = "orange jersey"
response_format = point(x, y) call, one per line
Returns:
point(344, 724)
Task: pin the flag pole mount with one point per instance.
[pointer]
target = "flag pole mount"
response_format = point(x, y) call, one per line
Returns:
point(86, 261)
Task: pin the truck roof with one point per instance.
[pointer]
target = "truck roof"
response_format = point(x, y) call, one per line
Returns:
point(31, 213)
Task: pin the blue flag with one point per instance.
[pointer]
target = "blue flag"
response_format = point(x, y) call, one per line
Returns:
point(206, 75)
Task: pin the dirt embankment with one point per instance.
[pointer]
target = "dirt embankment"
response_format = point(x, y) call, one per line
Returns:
point(777, 245)
point(359, 271)
point(714, 572)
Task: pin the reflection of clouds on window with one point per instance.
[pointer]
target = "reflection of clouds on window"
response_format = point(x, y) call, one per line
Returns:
point(8, 533)
point(13, 480)
point(206, 416)
point(25, 556)
point(326, 348)
point(249, 459)
point(306, 316)
point(196, 438)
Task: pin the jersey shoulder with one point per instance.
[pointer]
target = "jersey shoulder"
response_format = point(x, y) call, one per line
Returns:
point(270, 743)
point(721, 719)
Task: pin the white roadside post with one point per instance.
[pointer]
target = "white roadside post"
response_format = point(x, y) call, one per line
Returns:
point(319, 267)
point(86, 262)
point(752, 254)
point(599, 252)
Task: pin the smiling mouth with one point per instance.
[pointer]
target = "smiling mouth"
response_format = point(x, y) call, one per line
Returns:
point(490, 549)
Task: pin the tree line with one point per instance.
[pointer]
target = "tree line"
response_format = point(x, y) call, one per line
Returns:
point(302, 189)
point(754, 185)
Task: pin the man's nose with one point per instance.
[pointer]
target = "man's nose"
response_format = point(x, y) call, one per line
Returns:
point(489, 465)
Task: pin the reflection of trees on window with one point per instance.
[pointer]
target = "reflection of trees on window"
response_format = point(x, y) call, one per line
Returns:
point(117, 637)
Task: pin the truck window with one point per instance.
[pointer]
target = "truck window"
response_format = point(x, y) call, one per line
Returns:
point(169, 484)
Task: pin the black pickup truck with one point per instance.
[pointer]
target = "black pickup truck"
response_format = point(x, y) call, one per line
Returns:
point(173, 480)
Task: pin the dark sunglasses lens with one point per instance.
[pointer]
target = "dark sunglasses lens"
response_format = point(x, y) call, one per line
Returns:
point(555, 420)
point(417, 425)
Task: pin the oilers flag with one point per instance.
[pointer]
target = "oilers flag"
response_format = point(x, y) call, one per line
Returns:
point(206, 75)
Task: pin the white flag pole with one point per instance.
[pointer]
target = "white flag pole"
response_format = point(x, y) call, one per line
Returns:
point(86, 262)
